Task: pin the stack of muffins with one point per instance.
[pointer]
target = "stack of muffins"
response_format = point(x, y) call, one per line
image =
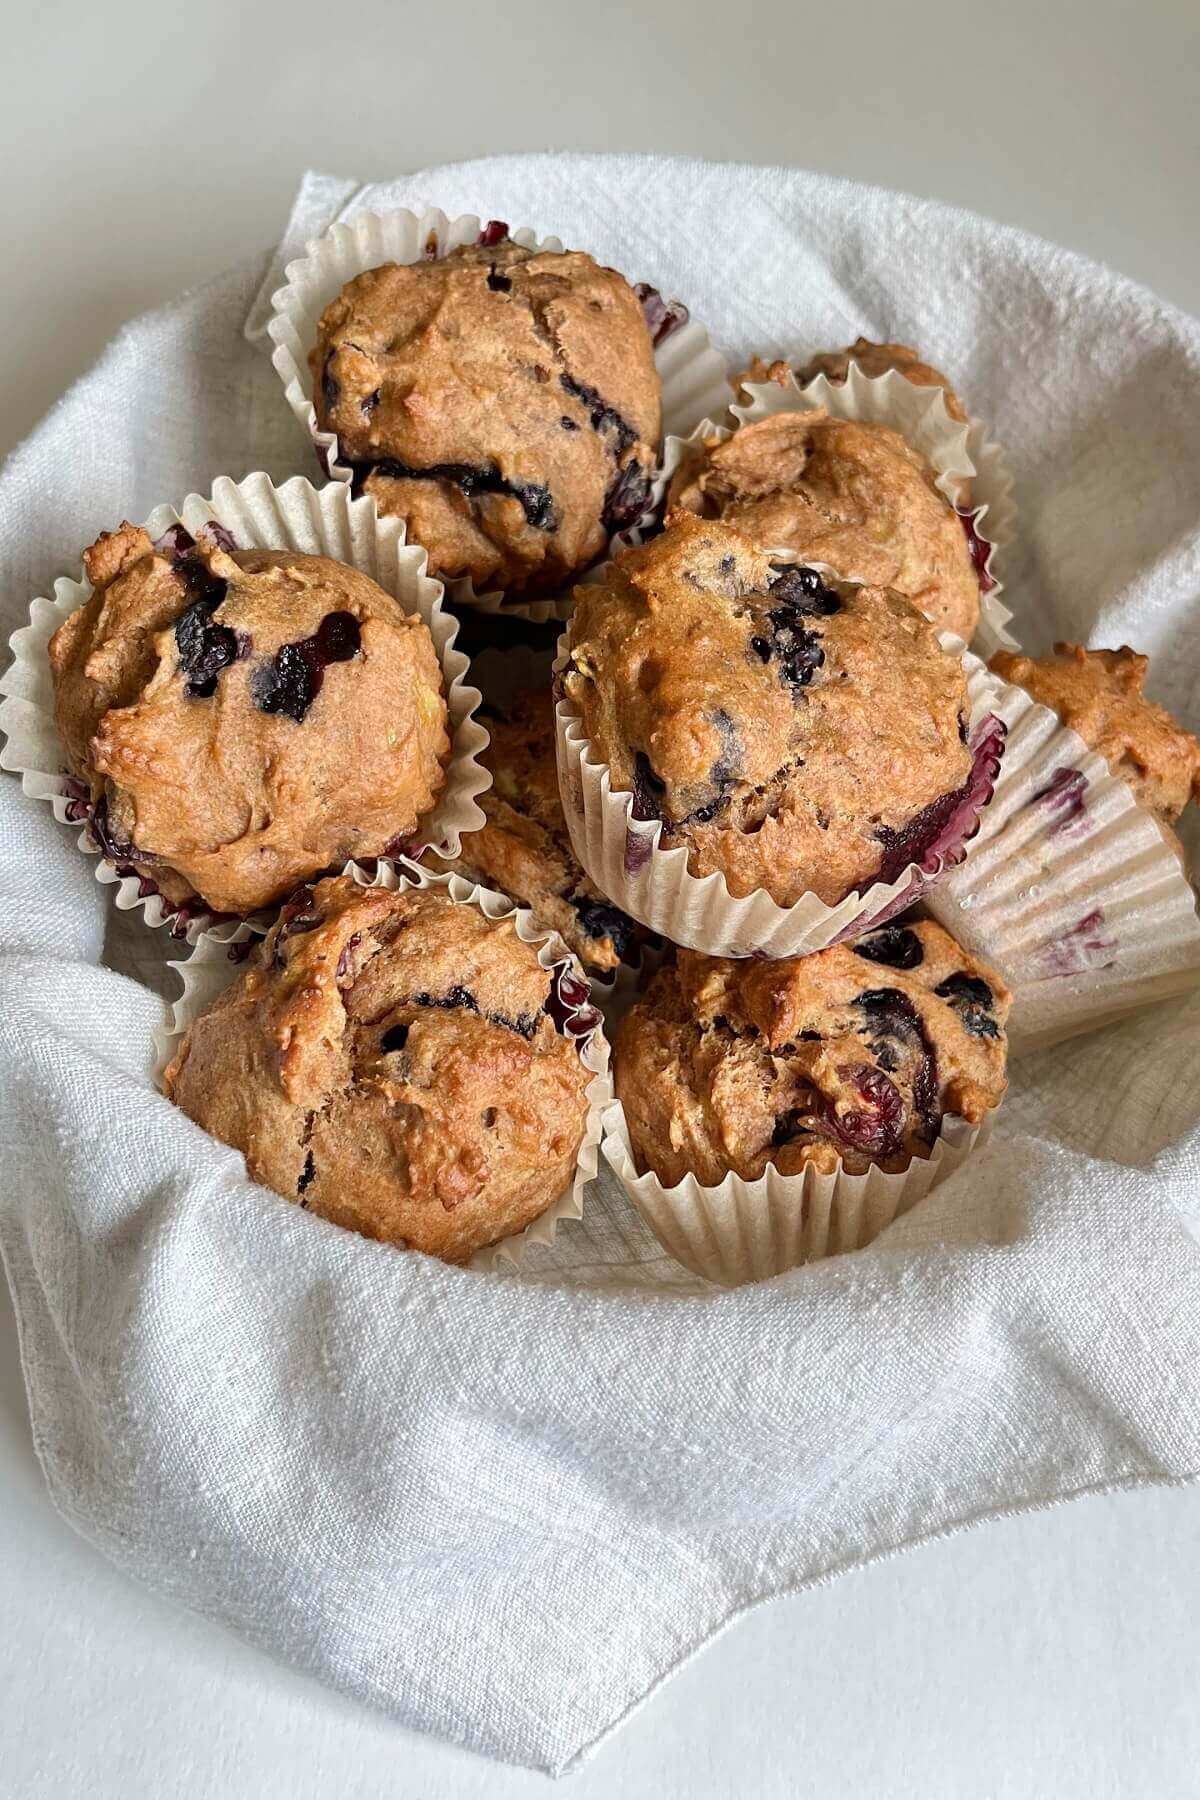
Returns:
point(759, 707)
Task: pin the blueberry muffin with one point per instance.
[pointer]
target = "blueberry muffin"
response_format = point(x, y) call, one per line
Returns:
point(503, 401)
point(524, 848)
point(1098, 693)
point(852, 1056)
point(874, 360)
point(796, 735)
point(844, 492)
point(399, 1064)
point(241, 721)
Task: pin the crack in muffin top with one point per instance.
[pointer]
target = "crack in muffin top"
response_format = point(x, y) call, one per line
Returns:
point(504, 401)
point(850, 493)
point(785, 727)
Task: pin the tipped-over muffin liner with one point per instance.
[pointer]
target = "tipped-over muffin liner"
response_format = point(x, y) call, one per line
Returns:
point(957, 453)
point(1070, 890)
point(694, 378)
point(213, 965)
point(743, 1231)
point(251, 514)
point(625, 858)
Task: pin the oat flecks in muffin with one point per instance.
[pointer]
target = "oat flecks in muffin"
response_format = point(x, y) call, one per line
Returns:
point(788, 732)
point(1098, 693)
point(242, 721)
point(504, 402)
point(851, 1056)
point(849, 493)
point(524, 848)
point(392, 1062)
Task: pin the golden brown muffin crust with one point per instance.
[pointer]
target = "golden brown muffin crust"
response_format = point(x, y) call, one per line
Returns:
point(875, 360)
point(246, 720)
point(388, 1062)
point(844, 492)
point(505, 403)
point(524, 849)
point(851, 1055)
point(1098, 693)
point(785, 730)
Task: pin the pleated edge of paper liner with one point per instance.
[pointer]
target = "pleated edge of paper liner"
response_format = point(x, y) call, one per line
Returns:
point(258, 515)
point(741, 1231)
point(719, 924)
point(695, 379)
point(1067, 833)
point(210, 969)
point(955, 451)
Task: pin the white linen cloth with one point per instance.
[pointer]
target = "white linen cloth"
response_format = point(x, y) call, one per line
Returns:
point(503, 1508)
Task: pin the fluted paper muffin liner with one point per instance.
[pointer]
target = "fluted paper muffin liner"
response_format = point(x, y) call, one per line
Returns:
point(955, 452)
point(1070, 889)
point(694, 378)
point(743, 1231)
point(625, 858)
point(252, 514)
point(213, 965)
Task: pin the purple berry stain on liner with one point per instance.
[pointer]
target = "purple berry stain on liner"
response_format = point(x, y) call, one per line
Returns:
point(979, 547)
point(569, 1005)
point(291, 680)
point(493, 233)
point(1077, 950)
point(939, 834)
point(662, 316)
point(1063, 796)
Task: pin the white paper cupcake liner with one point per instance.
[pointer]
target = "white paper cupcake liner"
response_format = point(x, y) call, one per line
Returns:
point(1069, 890)
point(745, 1231)
point(625, 859)
point(694, 378)
point(249, 514)
point(955, 452)
point(213, 965)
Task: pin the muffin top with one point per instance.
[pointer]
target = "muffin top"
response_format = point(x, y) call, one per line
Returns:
point(391, 1061)
point(524, 847)
point(795, 735)
point(874, 360)
point(849, 1056)
point(504, 402)
point(1098, 693)
point(844, 492)
point(244, 720)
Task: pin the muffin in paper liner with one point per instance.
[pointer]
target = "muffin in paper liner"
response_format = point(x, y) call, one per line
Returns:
point(956, 452)
point(1070, 889)
point(694, 378)
point(215, 963)
point(743, 1231)
point(248, 514)
point(624, 858)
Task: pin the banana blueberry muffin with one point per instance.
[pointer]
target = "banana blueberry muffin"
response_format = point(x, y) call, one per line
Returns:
point(874, 360)
point(503, 401)
point(795, 734)
point(1098, 693)
point(525, 849)
point(845, 492)
point(402, 1065)
point(850, 1056)
point(235, 723)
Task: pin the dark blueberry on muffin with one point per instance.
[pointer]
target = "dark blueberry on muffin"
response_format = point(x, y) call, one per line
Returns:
point(730, 1066)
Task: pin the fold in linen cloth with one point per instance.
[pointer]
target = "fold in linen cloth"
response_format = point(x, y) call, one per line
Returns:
point(503, 1507)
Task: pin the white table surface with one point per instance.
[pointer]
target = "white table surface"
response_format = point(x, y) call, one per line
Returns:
point(145, 146)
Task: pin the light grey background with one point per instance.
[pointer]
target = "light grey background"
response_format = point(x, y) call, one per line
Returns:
point(146, 147)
